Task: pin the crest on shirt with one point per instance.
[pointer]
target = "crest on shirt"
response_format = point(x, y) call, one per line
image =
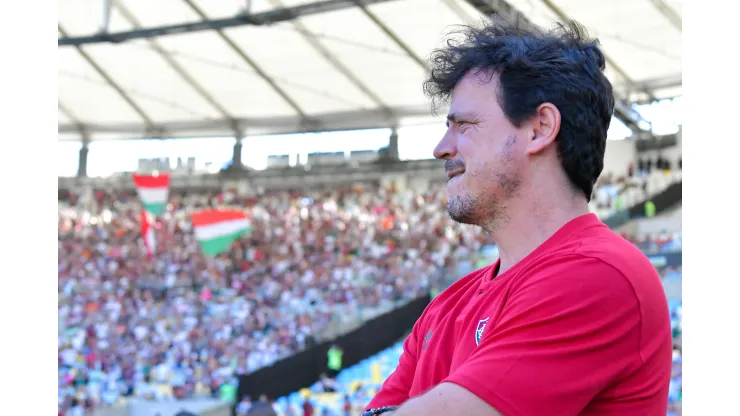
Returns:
point(479, 330)
point(427, 338)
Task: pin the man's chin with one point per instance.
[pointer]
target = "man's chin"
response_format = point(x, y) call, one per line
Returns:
point(458, 212)
point(455, 190)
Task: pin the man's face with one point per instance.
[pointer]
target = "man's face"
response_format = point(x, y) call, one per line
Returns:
point(484, 154)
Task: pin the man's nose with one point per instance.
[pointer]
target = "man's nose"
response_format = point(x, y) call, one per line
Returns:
point(446, 148)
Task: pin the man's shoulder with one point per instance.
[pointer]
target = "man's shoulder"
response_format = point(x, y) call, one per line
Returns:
point(598, 247)
point(626, 259)
point(598, 265)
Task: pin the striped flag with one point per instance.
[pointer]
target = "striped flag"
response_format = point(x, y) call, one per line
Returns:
point(153, 191)
point(147, 232)
point(216, 229)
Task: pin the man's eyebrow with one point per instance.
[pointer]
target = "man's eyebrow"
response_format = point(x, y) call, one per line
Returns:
point(456, 116)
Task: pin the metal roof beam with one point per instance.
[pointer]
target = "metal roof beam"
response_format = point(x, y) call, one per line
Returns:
point(336, 63)
point(670, 14)
point(150, 125)
point(334, 121)
point(67, 113)
point(622, 108)
point(396, 39)
point(663, 83)
point(189, 79)
point(258, 19)
point(253, 64)
point(610, 62)
point(81, 129)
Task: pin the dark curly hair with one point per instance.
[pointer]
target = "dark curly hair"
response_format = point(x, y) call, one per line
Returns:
point(562, 66)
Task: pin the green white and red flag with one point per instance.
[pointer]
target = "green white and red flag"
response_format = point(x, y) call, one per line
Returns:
point(216, 229)
point(153, 191)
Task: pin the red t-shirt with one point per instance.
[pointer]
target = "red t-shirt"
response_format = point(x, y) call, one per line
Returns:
point(580, 326)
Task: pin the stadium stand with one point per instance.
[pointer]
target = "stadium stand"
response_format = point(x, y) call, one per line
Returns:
point(177, 326)
point(278, 161)
point(350, 392)
point(317, 263)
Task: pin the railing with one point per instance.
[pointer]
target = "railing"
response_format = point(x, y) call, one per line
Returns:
point(133, 406)
point(347, 318)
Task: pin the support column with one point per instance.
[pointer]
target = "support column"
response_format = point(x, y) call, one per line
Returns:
point(107, 7)
point(82, 161)
point(393, 145)
point(236, 157)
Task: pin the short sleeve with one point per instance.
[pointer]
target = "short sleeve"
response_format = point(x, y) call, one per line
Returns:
point(395, 389)
point(564, 335)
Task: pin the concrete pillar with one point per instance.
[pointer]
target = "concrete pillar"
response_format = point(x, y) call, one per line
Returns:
point(82, 161)
point(393, 145)
point(236, 157)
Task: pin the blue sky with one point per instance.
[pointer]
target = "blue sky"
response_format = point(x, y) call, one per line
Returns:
point(414, 142)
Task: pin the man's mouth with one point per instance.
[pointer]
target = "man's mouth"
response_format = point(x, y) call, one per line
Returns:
point(453, 173)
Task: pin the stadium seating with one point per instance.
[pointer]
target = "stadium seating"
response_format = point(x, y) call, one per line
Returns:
point(129, 324)
point(358, 382)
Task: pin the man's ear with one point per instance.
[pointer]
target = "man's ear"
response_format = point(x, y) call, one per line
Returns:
point(545, 126)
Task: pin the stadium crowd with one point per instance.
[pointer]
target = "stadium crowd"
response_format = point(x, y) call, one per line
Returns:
point(182, 325)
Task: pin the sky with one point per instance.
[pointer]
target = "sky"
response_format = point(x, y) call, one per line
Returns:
point(414, 142)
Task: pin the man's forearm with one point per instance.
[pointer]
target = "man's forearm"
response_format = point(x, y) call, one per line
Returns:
point(447, 399)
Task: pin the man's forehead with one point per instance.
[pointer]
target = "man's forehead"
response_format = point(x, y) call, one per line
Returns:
point(472, 94)
point(477, 79)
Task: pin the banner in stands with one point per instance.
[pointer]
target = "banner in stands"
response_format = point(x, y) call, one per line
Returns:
point(304, 368)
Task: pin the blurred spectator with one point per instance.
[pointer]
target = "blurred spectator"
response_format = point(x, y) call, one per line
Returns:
point(325, 385)
point(307, 407)
point(262, 407)
point(347, 406)
point(334, 360)
point(649, 209)
point(76, 408)
point(242, 409)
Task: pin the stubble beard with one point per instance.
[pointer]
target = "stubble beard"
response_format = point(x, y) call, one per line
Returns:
point(488, 211)
point(485, 211)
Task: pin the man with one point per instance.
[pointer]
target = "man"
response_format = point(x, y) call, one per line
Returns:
point(307, 407)
point(334, 360)
point(262, 407)
point(326, 384)
point(242, 409)
point(572, 319)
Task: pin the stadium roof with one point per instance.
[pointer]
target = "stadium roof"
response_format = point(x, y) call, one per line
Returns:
point(206, 68)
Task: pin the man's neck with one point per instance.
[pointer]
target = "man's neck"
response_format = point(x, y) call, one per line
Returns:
point(530, 222)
